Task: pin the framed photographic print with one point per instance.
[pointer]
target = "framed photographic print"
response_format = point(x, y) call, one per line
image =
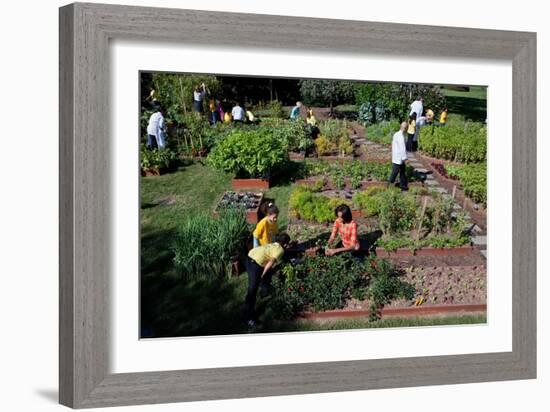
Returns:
point(356, 199)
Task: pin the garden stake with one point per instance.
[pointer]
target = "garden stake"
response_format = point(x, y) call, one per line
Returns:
point(422, 216)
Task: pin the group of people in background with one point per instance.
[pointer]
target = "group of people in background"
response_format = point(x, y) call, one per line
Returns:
point(419, 117)
point(406, 139)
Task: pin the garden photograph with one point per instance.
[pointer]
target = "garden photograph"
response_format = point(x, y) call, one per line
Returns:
point(299, 205)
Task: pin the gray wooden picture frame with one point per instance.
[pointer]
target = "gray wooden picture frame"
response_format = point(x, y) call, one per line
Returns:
point(85, 31)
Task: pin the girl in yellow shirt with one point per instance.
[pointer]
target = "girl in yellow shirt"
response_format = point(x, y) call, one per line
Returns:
point(411, 130)
point(443, 117)
point(267, 228)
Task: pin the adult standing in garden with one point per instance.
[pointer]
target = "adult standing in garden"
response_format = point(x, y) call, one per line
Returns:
point(237, 113)
point(417, 107)
point(156, 129)
point(346, 228)
point(259, 265)
point(399, 157)
point(295, 112)
point(198, 97)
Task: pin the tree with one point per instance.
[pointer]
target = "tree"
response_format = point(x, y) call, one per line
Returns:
point(326, 92)
point(385, 101)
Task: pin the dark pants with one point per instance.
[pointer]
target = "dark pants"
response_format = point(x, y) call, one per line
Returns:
point(197, 105)
point(255, 281)
point(410, 142)
point(401, 169)
point(151, 142)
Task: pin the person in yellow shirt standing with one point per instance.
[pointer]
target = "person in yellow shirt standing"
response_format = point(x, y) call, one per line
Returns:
point(443, 117)
point(267, 228)
point(411, 130)
point(259, 265)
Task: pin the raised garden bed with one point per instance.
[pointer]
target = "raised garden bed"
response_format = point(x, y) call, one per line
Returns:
point(297, 156)
point(250, 201)
point(239, 184)
point(439, 290)
point(426, 251)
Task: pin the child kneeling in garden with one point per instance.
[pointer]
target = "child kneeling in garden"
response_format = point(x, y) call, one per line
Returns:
point(346, 228)
point(259, 266)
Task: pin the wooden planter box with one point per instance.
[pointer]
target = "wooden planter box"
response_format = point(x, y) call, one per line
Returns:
point(297, 157)
point(261, 184)
point(412, 311)
point(426, 251)
point(252, 215)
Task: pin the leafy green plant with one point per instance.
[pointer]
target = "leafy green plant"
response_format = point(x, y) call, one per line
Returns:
point(386, 285)
point(205, 247)
point(368, 201)
point(156, 159)
point(396, 212)
point(466, 142)
point(275, 109)
point(249, 153)
point(473, 178)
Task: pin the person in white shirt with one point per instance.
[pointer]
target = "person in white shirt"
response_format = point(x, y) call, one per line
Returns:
point(237, 113)
point(399, 157)
point(417, 107)
point(156, 129)
point(198, 96)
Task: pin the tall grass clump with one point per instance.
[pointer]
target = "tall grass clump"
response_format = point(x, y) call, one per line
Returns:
point(205, 247)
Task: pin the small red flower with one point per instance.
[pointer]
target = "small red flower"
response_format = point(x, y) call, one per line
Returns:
point(301, 288)
point(290, 289)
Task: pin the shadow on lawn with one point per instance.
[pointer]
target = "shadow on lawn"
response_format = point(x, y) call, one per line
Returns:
point(172, 306)
point(472, 108)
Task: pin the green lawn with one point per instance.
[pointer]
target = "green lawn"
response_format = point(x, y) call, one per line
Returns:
point(467, 105)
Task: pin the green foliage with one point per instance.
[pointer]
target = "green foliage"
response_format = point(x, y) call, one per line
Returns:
point(294, 134)
point(396, 212)
point(368, 201)
point(382, 101)
point(382, 132)
point(307, 205)
point(465, 142)
point(156, 159)
point(325, 283)
point(385, 286)
point(326, 92)
point(252, 153)
point(317, 283)
point(204, 247)
point(275, 109)
point(473, 178)
point(175, 91)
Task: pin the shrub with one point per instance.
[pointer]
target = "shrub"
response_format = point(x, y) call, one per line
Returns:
point(324, 146)
point(275, 109)
point(310, 206)
point(368, 201)
point(306, 205)
point(249, 153)
point(294, 134)
point(156, 159)
point(463, 143)
point(385, 285)
point(396, 212)
point(204, 247)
